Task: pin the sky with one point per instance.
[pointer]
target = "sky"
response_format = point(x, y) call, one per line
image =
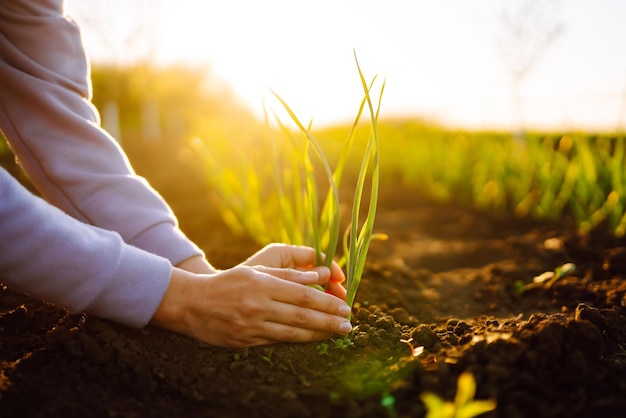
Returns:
point(449, 61)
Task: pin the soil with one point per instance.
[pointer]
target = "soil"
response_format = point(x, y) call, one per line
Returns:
point(448, 280)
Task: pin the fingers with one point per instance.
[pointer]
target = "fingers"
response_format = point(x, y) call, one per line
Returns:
point(295, 255)
point(300, 256)
point(305, 257)
point(289, 291)
point(308, 297)
point(283, 255)
point(309, 319)
point(292, 256)
point(282, 323)
point(318, 276)
point(297, 324)
point(336, 289)
point(246, 306)
point(315, 276)
point(226, 333)
point(336, 274)
point(293, 313)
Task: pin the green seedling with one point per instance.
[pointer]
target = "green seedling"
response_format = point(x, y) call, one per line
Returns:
point(268, 356)
point(359, 241)
point(416, 351)
point(322, 349)
point(339, 344)
point(343, 343)
point(388, 402)
point(547, 279)
point(326, 222)
point(464, 405)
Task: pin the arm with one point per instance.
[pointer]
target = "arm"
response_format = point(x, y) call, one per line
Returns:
point(50, 255)
point(47, 117)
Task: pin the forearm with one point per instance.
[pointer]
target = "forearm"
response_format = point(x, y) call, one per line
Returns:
point(50, 255)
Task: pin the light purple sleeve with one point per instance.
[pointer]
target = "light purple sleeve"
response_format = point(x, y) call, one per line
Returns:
point(47, 117)
point(108, 246)
point(50, 255)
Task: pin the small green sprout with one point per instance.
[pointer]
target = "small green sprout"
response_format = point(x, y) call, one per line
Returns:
point(464, 405)
point(322, 349)
point(388, 402)
point(415, 351)
point(268, 355)
point(339, 344)
point(547, 279)
point(343, 343)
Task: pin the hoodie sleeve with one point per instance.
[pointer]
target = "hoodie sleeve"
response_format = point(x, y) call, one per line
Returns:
point(50, 255)
point(53, 128)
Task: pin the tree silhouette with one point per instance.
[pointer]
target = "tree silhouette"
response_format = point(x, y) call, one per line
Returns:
point(526, 33)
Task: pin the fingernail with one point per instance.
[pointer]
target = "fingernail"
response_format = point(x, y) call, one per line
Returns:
point(345, 327)
point(311, 275)
point(344, 310)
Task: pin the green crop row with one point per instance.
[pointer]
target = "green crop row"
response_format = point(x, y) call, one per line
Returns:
point(543, 177)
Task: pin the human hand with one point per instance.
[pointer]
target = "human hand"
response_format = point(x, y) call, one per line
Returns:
point(254, 305)
point(300, 258)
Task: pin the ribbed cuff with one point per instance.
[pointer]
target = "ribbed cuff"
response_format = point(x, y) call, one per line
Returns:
point(136, 289)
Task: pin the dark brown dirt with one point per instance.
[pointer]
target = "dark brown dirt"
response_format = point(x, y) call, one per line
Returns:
point(447, 279)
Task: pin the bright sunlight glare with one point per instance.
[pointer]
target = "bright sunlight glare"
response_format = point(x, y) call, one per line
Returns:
point(468, 63)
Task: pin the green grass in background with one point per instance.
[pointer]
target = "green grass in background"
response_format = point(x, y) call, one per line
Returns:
point(545, 176)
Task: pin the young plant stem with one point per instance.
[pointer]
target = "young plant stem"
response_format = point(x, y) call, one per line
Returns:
point(326, 223)
point(312, 194)
point(359, 241)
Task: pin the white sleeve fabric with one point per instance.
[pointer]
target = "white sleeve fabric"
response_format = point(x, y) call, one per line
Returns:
point(51, 125)
point(48, 254)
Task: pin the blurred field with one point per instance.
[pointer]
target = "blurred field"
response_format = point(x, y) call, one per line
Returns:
point(546, 176)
